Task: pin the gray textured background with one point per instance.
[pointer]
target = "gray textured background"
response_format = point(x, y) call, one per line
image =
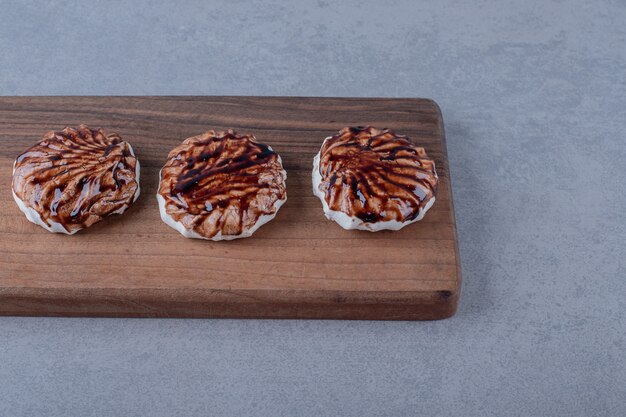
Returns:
point(533, 96)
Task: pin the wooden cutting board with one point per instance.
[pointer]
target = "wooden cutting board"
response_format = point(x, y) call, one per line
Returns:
point(300, 265)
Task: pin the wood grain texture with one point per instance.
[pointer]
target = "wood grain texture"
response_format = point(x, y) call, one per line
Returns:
point(300, 265)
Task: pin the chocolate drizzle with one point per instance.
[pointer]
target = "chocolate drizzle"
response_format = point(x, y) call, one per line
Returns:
point(221, 182)
point(76, 177)
point(376, 175)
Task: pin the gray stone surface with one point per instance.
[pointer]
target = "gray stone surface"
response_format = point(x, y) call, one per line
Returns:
point(533, 96)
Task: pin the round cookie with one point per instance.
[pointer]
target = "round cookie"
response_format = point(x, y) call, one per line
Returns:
point(74, 178)
point(372, 179)
point(221, 186)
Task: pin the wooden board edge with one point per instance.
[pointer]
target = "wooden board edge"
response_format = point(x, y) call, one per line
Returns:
point(195, 303)
point(444, 147)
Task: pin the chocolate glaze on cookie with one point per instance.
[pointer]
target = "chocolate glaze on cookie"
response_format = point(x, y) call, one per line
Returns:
point(221, 185)
point(374, 176)
point(74, 178)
